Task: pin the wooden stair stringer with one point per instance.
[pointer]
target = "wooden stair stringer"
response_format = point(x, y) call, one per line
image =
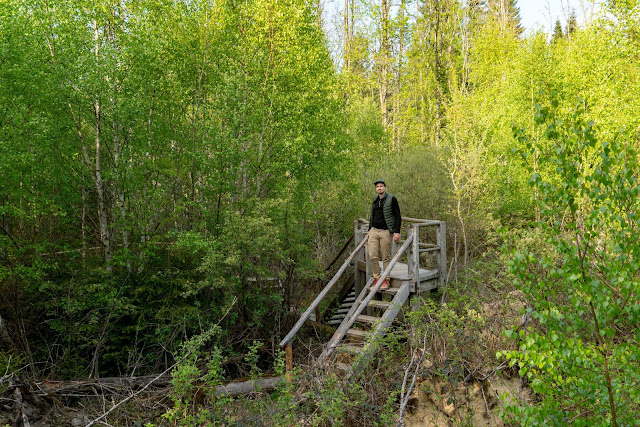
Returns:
point(345, 325)
point(366, 295)
point(374, 338)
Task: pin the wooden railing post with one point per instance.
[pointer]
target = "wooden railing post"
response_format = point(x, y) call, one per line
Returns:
point(442, 255)
point(359, 233)
point(411, 258)
point(288, 360)
point(414, 257)
point(367, 262)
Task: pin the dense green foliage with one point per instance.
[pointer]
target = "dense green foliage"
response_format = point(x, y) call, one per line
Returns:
point(156, 162)
point(582, 283)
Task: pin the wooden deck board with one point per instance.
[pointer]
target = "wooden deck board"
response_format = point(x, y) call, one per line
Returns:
point(400, 273)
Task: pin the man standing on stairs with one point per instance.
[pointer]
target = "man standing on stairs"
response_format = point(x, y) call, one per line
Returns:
point(384, 225)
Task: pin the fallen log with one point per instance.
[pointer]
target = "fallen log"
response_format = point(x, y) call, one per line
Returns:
point(107, 385)
point(32, 402)
point(244, 387)
point(120, 385)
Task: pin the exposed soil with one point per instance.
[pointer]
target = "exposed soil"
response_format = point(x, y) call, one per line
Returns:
point(437, 402)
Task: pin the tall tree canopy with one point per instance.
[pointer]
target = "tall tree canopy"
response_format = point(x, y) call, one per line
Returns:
point(137, 137)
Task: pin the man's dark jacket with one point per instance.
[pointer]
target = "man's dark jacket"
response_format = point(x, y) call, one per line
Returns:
point(385, 214)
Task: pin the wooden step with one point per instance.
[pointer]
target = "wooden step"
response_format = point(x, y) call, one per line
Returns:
point(356, 333)
point(391, 291)
point(363, 318)
point(379, 304)
point(344, 367)
point(351, 349)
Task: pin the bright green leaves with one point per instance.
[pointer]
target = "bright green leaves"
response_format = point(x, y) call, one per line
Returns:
point(174, 144)
point(588, 198)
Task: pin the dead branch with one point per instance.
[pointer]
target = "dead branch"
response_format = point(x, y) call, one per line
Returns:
point(404, 397)
point(166, 371)
point(114, 407)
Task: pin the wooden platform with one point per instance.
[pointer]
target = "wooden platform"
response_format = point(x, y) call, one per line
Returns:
point(360, 330)
point(400, 273)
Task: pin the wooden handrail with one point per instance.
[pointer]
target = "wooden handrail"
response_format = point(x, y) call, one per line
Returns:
point(305, 316)
point(412, 220)
point(427, 245)
point(361, 304)
point(419, 222)
point(344, 247)
point(421, 245)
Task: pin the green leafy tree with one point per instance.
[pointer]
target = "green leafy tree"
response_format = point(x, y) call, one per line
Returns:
point(582, 360)
point(558, 33)
point(572, 23)
point(433, 70)
point(138, 137)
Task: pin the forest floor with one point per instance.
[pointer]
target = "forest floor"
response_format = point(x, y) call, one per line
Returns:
point(437, 402)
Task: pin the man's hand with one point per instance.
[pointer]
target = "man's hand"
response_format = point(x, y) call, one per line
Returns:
point(396, 237)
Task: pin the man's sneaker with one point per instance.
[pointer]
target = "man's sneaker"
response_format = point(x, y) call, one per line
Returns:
point(385, 285)
point(375, 282)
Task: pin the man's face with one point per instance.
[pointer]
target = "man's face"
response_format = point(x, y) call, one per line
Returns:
point(380, 188)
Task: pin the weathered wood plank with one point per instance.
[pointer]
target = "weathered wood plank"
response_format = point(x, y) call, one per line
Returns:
point(363, 318)
point(305, 316)
point(350, 348)
point(373, 342)
point(361, 304)
point(379, 304)
point(356, 333)
point(400, 272)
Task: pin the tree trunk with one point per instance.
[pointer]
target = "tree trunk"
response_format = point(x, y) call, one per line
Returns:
point(438, 72)
point(83, 226)
point(103, 213)
point(346, 57)
point(384, 61)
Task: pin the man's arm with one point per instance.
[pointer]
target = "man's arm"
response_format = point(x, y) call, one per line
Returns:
point(395, 208)
point(370, 217)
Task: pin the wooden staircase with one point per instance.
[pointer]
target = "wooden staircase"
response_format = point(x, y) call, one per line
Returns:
point(362, 338)
point(345, 305)
point(365, 320)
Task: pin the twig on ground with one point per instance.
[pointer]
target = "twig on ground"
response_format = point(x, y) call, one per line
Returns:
point(486, 405)
point(404, 399)
point(114, 407)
